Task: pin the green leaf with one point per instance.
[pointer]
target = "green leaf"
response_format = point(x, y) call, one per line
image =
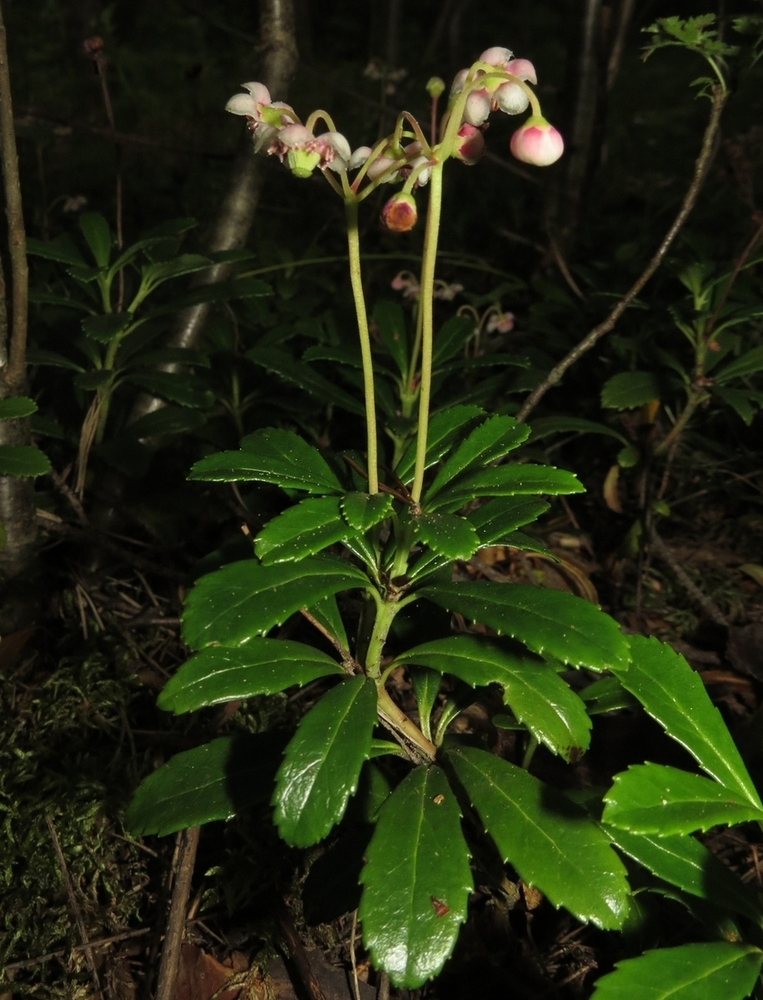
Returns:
point(747, 364)
point(326, 613)
point(606, 695)
point(426, 686)
point(218, 291)
point(36, 356)
point(302, 530)
point(271, 456)
point(362, 511)
point(211, 782)
point(720, 970)
point(447, 535)
point(16, 407)
point(96, 231)
point(536, 694)
point(630, 389)
point(93, 380)
point(186, 263)
point(546, 621)
point(739, 400)
point(507, 480)
point(105, 328)
point(675, 696)
point(652, 798)
point(23, 461)
point(261, 666)
point(416, 880)
point(170, 356)
point(322, 763)
point(63, 249)
point(182, 388)
point(497, 519)
point(305, 376)
point(390, 322)
point(166, 420)
point(451, 337)
point(552, 843)
point(444, 428)
point(488, 442)
point(546, 426)
point(688, 864)
point(246, 599)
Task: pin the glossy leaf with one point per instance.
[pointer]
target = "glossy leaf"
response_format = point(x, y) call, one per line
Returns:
point(686, 863)
point(497, 519)
point(606, 695)
point(390, 322)
point(487, 443)
point(447, 535)
point(362, 511)
point(171, 356)
point(37, 356)
point(261, 666)
point(62, 249)
point(546, 621)
point(304, 376)
point(546, 426)
point(219, 291)
point(105, 328)
point(96, 231)
point(322, 763)
point(740, 401)
point(326, 613)
point(23, 461)
point(182, 388)
point(166, 420)
point(748, 364)
point(271, 456)
point(426, 686)
point(537, 696)
point(246, 599)
point(16, 407)
point(186, 263)
point(675, 696)
point(718, 970)
point(506, 480)
point(445, 427)
point(416, 880)
point(552, 843)
point(211, 782)
point(628, 390)
point(652, 798)
point(302, 530)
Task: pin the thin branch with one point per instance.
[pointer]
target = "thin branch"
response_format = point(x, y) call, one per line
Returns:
point(78, 919)
point(16, 371)
point(188, 842)
point(700, 172)
point(663, 552)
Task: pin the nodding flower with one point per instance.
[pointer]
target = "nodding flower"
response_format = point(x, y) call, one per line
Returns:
point(400, 214)
point(537, 142)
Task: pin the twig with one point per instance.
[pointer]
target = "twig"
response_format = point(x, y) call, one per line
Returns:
point(711, 609)
point(78, 919)
point(15, 358)
point(99, 943)
point(70, 496)
point(690, 199)
point(353, 959)
point(297, 951)
point(188, 842)
point(382, 993)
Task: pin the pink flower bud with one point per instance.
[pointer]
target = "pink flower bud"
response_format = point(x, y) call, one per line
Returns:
point(523, 69)
point(381, 165)
point(470, 144)
point(497, 56)
point(400, 214)
point(537, 142)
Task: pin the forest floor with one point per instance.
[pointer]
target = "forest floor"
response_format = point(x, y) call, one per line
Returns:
point(85, 908)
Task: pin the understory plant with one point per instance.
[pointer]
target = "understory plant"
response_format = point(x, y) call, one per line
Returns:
point(363, 577)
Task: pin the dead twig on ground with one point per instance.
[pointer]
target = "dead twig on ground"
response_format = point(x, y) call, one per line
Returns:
point(187, 845)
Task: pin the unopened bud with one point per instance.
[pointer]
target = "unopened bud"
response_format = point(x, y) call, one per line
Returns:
point(470, 144)
point(400, 214)
point(537, 142)
point(435, 86)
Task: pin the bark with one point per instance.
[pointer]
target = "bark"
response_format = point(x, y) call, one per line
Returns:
point(18, 590)
point(233, 222)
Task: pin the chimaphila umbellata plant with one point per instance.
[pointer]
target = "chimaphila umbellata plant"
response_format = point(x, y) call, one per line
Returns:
point(369, 567)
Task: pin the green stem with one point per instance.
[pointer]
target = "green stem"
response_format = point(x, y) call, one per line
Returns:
point(408, 733)
point(385, 614)
point(426, 304)
point(353, 245)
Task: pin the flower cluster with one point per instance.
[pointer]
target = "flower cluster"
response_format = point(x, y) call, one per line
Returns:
point(278, 131)
point(498, 82)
